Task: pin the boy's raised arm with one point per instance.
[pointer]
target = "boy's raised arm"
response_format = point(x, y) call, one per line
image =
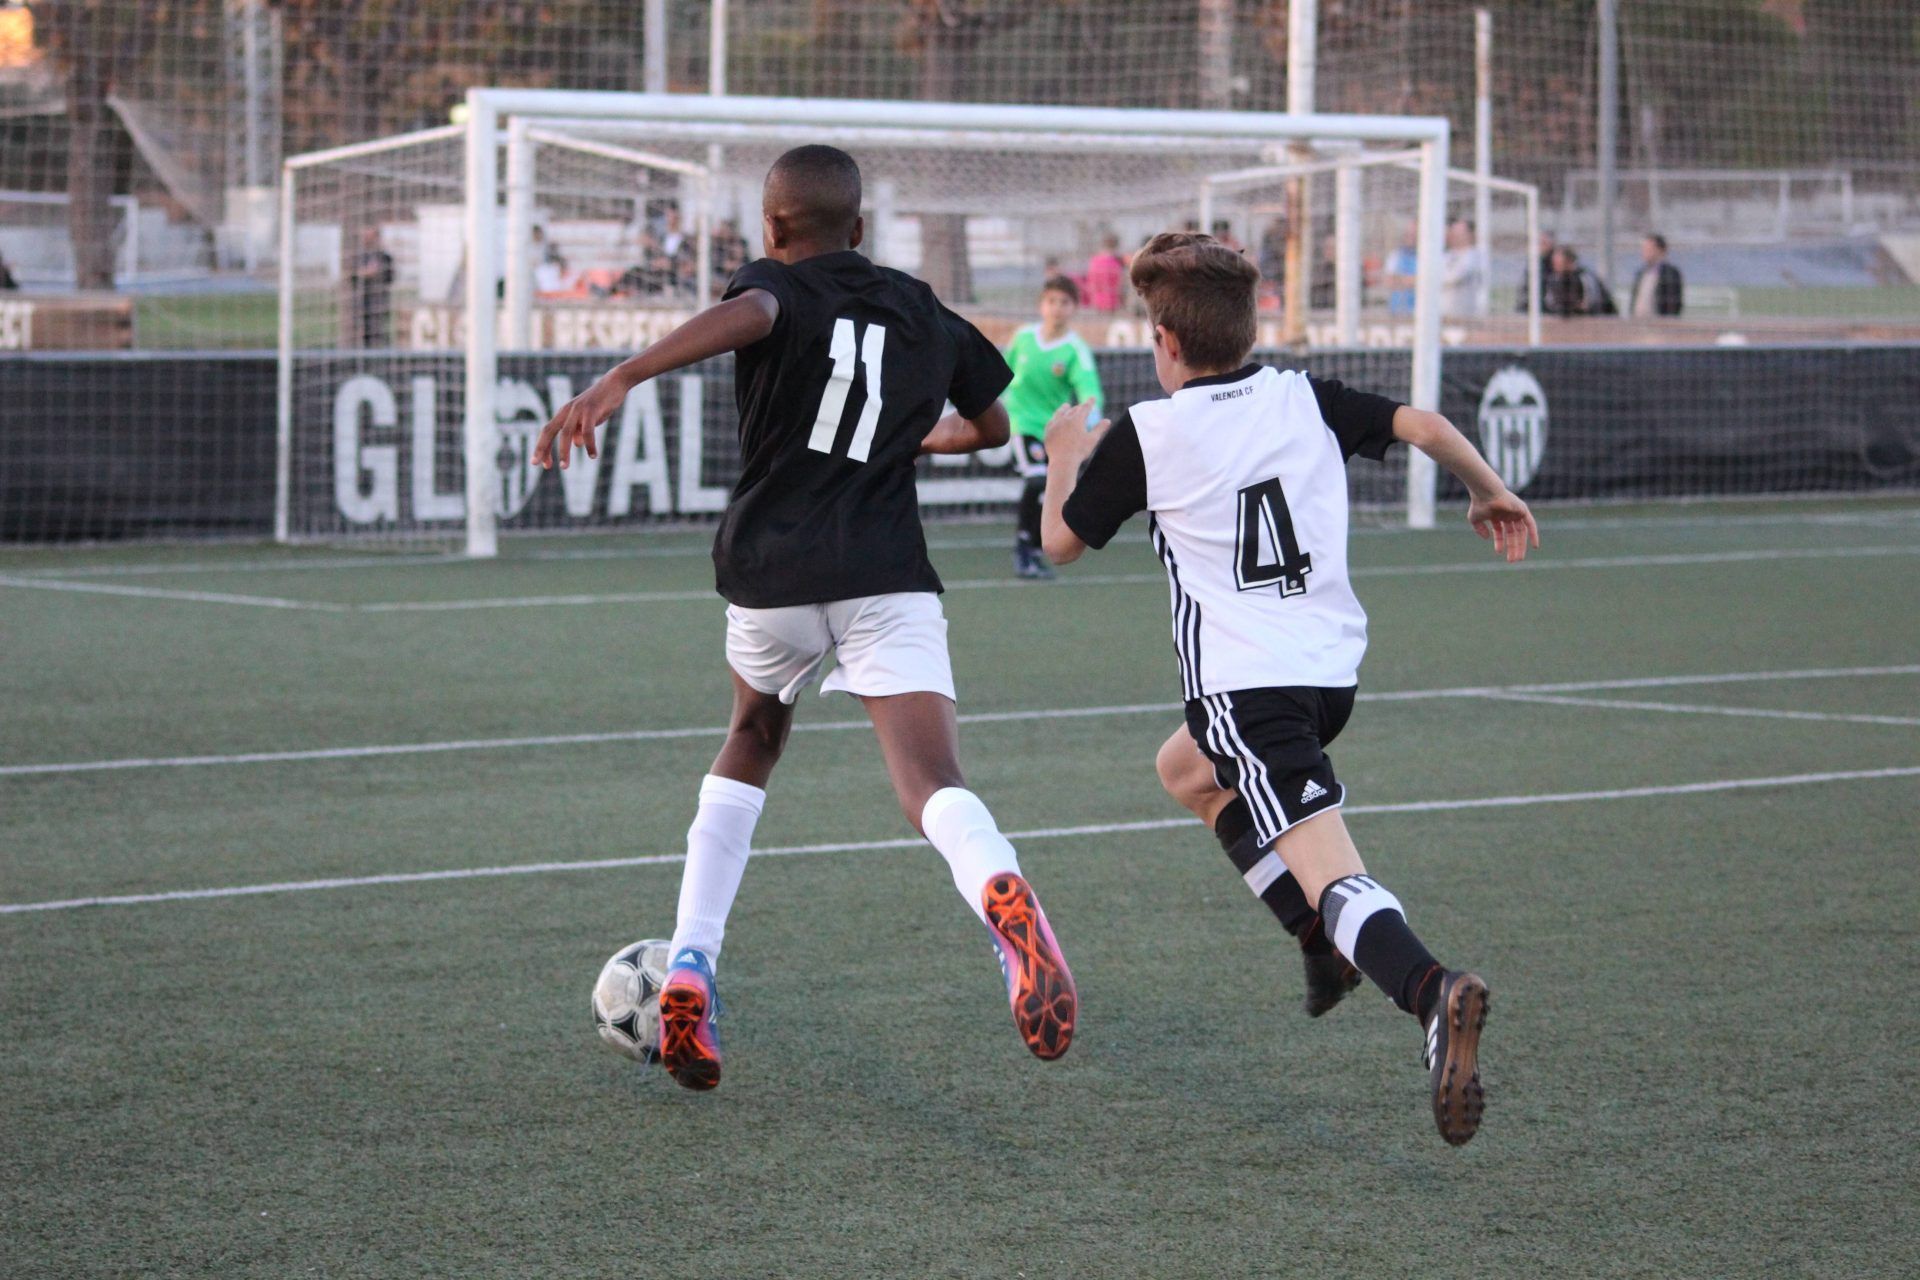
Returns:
point(726, 326)
point(1495, 512)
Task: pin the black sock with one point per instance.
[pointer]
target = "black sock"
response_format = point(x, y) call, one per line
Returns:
point(1234, 829)
point(1368, 919)
point(1030, 496)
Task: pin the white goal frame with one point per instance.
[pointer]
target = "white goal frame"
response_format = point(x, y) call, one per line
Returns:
point(925, 123)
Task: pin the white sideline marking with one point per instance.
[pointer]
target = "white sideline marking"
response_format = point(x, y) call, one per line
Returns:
point(406, 560)
point(975, 717)
point(660, 597)
point(857, 846)
point(540, 740)
point(164, 593)
point(1700, 709)
point(1488, 565)
point(374, 560)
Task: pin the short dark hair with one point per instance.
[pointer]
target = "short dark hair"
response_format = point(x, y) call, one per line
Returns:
point(1201, 290)
point(1062, 284)
point(1659, 241)
point(817, 189)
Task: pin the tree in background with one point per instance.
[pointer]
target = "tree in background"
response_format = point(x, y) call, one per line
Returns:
point(97, 48)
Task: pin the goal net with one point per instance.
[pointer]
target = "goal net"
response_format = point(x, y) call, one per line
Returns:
point(446, 291)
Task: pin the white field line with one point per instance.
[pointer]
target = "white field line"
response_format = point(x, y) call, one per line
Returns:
point(539, 740)
point(406, 560)
point(1488, 565)
point(375, 560)
point(1701, 709)
point(975, 717)
point(661, 597)
point(860, 846)
point(164, 593)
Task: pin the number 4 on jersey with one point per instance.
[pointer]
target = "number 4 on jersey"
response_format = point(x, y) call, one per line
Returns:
point(1266, 527)
point(833, 401)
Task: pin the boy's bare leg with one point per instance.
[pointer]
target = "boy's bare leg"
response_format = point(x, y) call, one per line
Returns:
point(1188, 776)
point(718, 844)
point(920, 741)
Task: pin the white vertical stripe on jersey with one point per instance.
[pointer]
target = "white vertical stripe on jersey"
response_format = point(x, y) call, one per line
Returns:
point(1186, 616)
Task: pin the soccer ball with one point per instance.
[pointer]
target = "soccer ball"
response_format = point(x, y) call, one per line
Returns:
point(626, 999)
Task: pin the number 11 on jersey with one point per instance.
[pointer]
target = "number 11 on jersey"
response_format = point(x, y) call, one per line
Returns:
point(833, 401)
point(1265, 523)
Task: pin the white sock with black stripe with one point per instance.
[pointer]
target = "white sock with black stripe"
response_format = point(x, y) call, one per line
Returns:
point(1369, 928)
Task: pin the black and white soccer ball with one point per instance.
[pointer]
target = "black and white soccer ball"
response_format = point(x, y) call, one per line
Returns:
point(626, 999)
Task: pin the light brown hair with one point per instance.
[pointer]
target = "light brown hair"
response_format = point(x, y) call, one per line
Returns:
point(1202, 291)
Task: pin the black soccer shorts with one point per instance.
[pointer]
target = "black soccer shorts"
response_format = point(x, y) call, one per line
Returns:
point(1030, 456)
point(1270, 746)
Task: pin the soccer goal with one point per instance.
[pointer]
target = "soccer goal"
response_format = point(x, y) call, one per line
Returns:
point(443, 292)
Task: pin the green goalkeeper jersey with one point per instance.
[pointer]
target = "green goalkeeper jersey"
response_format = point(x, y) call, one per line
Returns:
point(1046, 376)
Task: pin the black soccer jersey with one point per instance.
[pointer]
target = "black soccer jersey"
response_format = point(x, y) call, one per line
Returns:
point(834, 405)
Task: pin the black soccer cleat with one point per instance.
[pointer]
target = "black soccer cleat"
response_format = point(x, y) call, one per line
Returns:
point(1453, 1056)
point(1330, 976)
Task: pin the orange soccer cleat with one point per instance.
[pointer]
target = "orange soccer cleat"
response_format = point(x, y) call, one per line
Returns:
point(1039, 986)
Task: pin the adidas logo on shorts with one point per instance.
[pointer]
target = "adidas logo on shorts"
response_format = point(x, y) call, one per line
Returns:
point(1312, 792)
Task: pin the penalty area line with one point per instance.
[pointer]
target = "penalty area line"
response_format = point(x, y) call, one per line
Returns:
point(864, 846)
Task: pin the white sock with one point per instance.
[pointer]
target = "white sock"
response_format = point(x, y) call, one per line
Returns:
point(960, 827)
point(717, 846)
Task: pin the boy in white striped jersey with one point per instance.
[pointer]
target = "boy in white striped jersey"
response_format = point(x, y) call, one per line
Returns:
point(1243, 471)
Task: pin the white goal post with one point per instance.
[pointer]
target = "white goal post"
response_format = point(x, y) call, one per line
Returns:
point(406, 405)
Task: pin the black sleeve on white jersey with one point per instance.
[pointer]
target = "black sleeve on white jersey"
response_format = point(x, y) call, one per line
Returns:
point(764, 273)
point(1361, 421)
point(1112, 487)
point(980, 372)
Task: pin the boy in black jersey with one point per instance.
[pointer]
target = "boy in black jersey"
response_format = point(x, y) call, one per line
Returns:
point(1243, 472)
point(841, 373)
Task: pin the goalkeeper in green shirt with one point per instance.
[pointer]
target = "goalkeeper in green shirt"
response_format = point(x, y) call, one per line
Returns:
point(1052, 366)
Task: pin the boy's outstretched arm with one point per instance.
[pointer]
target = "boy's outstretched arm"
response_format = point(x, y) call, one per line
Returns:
point(955, 434)
point(1495, 512)
point(1069, 444)
point(727, 326)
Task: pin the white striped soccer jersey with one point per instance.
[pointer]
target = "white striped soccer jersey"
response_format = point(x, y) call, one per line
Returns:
point(1244, 475)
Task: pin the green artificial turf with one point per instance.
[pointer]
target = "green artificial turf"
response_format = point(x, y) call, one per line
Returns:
point(1700, 1060)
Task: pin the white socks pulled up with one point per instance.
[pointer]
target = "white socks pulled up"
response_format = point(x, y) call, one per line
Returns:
point(717, 846)
point(961, 828)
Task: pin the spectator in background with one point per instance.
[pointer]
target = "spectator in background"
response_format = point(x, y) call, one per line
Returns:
point(1272, 257)
point(1462, 271)
point(371, 281)
point(551, 278)
point(651, 275)
point(1323, 292)
point(1572, 290)
point(1657, 290)
point(7, 282)
point(1545, 250)
point(1401, 265)
point(1223, 232)
point(1106, 275)
point(729, 249)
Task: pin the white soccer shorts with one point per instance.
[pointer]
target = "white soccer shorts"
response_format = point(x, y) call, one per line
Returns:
point(883, 645)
